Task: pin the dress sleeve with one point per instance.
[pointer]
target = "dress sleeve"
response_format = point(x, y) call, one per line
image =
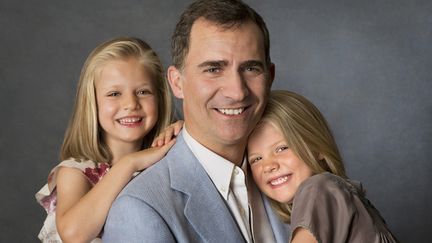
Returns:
point(325, 208)
point(47, 196)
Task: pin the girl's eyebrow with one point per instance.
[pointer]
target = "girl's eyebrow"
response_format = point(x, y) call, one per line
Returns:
point(252, 155)
point(117, 85)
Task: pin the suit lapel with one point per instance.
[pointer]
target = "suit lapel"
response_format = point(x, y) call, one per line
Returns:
point(205, 209)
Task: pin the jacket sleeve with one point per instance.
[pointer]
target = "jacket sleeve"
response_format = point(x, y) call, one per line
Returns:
point(132, 220)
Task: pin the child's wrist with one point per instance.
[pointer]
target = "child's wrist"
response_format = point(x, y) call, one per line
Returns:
point(129, 163)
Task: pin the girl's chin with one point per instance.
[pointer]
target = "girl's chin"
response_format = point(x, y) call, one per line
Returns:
point(283, 198)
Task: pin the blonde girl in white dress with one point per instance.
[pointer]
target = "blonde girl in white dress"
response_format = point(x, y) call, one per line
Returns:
point(122, 104)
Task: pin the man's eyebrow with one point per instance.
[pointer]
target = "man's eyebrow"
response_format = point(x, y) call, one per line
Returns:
point(219, 63)
point(252, 63)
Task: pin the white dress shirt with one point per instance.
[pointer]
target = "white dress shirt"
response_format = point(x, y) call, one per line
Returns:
point(230, 180)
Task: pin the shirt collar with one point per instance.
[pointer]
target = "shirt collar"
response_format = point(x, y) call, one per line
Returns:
point(218, 168)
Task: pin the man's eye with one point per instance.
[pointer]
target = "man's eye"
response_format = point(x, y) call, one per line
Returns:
point(212, 70)
point(252, 69)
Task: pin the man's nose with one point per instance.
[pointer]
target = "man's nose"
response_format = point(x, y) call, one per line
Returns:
point(235, 87)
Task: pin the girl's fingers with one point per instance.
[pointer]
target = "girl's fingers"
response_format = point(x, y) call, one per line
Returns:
point(178, 126)
point(164, 149)
point(168, 134)
point(177, 130)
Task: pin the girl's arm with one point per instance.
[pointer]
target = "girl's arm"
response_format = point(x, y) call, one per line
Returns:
point(302, 235)
point(82, 210)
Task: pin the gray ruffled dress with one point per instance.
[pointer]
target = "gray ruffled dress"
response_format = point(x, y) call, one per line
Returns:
point(336, 210)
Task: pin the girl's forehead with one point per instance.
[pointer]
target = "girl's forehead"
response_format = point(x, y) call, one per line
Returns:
point(264, 133)
point(123, 73)
point(265, 127)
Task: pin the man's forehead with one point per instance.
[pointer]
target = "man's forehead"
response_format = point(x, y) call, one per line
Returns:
point(204, 31)
point(219, 27)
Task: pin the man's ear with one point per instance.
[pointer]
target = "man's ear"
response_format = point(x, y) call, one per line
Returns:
point(272, 73)
point(175, 81)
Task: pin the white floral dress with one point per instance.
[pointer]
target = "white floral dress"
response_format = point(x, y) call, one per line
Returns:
point(47, 196)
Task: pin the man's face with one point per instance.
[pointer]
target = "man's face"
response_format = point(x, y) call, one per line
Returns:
point(224, 84)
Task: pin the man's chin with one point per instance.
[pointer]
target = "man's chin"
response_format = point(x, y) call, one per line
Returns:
point(234, 138)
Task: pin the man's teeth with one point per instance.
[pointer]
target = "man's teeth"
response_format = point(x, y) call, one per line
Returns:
point(231, 111)
point(279, 180)
point(129, 120)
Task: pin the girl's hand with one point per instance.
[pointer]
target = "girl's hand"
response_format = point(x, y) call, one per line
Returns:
point(168, 134)
point(143, 159)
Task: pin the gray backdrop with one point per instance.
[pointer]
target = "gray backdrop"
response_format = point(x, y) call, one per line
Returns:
point(366, 64)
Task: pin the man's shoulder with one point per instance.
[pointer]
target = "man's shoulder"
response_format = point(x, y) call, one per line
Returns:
point(165, 178)
point(153, 178)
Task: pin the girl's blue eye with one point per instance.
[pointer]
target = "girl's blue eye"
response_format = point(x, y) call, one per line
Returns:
point(254, 160)
point(144, 92)
point(281, 148)
point(113, 94)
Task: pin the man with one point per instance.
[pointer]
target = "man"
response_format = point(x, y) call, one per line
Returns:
point(200, 191)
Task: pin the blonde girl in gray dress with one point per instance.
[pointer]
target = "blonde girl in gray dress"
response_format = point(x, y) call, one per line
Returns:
point(296, 163)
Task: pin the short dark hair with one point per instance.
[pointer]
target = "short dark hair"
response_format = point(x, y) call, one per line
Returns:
point(226, 13)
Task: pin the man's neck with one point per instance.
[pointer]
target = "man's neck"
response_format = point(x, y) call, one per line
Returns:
point(232, 152)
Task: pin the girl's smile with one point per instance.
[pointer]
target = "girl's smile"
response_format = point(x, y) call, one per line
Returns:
point(126, 100)
point(277, 171)
point(131, 121)
point(279, 180)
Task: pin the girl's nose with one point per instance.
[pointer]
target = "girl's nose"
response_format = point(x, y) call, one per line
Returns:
point(271, 166)
point(130, 102)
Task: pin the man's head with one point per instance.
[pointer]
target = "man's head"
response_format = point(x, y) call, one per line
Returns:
point(223, 74)
point(224, 13)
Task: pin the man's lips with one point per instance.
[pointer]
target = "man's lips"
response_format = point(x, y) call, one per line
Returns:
point(231, 111)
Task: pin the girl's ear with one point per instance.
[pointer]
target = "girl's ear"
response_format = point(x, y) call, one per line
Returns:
point(175, 81)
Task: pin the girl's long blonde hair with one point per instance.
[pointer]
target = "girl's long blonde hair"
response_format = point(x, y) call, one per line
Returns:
point(308, 136)
point(83, 137)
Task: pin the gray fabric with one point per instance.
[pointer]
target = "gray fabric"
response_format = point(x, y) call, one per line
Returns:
point(173, 201)
point(335, 210)
point(281, 231)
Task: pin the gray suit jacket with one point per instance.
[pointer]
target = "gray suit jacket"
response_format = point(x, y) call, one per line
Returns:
point(175, 201)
